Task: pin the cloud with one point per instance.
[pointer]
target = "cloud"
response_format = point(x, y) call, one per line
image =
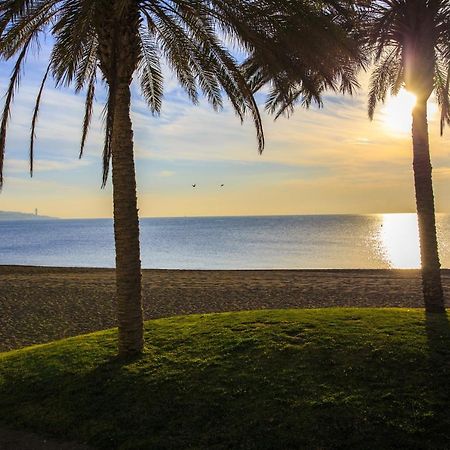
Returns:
point(43, 165)
point(315, 161)
point(166, 173)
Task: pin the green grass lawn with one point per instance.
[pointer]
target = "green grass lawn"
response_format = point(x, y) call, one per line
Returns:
point(285, 379)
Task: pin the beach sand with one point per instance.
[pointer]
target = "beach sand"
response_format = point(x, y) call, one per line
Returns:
point(39, 304)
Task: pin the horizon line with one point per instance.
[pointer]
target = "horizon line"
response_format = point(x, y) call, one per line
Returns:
point(218, 216)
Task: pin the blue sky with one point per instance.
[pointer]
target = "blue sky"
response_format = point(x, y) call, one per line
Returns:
point(332, 160)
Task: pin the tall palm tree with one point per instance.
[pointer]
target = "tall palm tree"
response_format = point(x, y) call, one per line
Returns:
point(116, 40)
point(410, 42)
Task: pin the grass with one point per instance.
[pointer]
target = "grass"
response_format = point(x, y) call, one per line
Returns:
point(284, 379)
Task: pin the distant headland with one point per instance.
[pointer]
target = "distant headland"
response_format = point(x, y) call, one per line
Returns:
point(14, 215)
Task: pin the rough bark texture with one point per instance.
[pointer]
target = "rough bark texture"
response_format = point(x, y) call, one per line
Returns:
point(118, 60)
point(126, 229)
point(431, 274)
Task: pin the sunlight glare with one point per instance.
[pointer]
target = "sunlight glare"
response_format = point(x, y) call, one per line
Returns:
point(397, 112)
point(399, 238)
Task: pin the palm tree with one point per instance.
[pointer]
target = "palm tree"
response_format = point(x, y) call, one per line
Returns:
point(116, 40)
point(410, 41)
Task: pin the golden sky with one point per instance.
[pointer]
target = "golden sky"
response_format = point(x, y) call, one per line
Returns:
point(332, 160)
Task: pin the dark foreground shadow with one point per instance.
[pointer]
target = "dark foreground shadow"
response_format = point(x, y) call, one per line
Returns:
point(333, 380)
point(438, 337)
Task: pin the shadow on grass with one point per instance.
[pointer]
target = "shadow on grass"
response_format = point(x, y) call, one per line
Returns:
point(279, 396)
point(334, 379)
point(438, 339)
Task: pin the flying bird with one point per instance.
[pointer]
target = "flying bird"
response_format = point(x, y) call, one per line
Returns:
point(194, 185)
point(222, 185)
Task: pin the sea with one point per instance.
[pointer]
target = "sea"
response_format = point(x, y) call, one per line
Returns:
point(376, 241)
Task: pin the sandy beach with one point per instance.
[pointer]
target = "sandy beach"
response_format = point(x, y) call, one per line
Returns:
point(40, 304)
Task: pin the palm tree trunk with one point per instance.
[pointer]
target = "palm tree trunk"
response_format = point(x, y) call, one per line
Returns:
point(431, 273)
point(126, 227)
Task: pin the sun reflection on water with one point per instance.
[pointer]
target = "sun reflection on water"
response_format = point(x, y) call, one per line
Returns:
point(399, 239)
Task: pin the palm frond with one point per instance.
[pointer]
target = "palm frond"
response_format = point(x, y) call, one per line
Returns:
point(151, 77)
point(73, 54)
point(442, 83)
point(108, 113)
point(387, 76)
point(35, 117)
point(319, 53)
point(13, 84)
point(88, 107)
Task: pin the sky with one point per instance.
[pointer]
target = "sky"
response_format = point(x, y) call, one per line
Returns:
point(319, 161)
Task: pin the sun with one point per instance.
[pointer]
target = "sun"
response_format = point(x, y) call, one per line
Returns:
point(397, 112)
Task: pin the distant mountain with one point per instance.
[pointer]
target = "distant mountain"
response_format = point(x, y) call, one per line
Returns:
point(13, 215)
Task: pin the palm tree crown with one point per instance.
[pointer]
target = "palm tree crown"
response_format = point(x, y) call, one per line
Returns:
point(85, 34)
point(320, 53)
point(410, 43)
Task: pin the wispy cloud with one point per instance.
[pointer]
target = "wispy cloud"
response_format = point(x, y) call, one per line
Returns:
point(43, 165)
point(322, 160)
point(166, 173)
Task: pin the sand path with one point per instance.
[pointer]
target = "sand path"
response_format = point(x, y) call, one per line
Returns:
point(42, 304)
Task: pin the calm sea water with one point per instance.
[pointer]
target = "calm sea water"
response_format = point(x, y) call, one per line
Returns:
point(287, 242)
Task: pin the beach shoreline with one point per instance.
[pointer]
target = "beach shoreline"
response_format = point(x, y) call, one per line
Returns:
point(41, 304)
